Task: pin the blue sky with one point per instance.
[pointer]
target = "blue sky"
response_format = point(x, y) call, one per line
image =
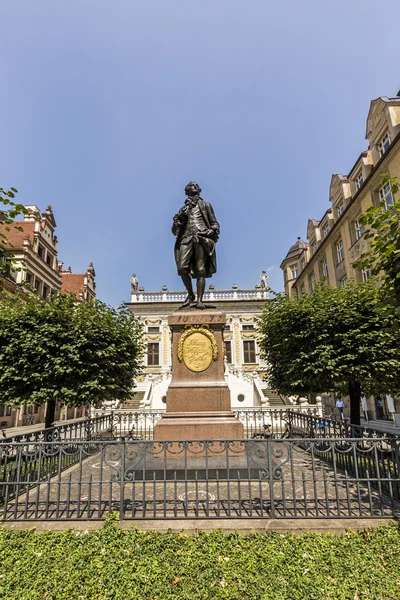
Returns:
point(109, 108)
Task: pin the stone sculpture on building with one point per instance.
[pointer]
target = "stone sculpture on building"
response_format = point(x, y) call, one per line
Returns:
point(197, 231)
point(264, 278)
point(134, 283)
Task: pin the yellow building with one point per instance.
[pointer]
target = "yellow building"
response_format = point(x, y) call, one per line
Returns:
point(335, 241)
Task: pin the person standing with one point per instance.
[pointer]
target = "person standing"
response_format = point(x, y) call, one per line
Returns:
point(340, 405)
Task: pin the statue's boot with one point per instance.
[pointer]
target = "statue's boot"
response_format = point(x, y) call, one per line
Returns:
point(188, 301)
point(200, 306)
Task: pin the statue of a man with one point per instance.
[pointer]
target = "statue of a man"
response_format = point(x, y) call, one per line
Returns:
point(264, 278)
point(197, 231)
point(134, 283)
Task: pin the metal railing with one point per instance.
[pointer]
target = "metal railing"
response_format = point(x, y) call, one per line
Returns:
point(253, 478)
point(311, 425)
point(256, 421)
point(81, 429)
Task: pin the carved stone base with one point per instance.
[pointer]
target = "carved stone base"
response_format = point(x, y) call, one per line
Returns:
point(198, 398)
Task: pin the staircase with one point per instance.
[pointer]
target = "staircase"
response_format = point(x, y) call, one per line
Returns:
point(134, 402)
point(274, 398)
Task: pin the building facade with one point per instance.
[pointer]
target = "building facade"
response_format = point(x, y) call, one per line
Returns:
point(336, 240)
point(33, 247)
point(34, 264)
point(82, 285)
point(245, 371)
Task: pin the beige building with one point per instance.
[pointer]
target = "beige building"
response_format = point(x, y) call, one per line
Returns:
point(34, 253)
point(245, 371)
point(335, 241)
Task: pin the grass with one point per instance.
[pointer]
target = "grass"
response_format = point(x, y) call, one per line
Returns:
point(115, 564)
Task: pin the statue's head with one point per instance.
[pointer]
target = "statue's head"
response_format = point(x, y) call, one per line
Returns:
point(192, 189)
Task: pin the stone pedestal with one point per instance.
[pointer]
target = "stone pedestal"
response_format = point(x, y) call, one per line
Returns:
point(198, 397)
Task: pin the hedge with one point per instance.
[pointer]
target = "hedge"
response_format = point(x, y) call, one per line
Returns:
point(116, 564)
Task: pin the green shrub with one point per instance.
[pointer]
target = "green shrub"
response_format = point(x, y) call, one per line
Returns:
point(113, 564)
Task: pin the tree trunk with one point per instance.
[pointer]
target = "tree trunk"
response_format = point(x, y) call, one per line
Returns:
point(355, 400)
point(50, 412)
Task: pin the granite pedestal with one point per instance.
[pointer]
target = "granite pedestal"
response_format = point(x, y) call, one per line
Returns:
point(198, 397)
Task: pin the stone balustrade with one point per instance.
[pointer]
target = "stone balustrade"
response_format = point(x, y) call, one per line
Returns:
point(211, 295)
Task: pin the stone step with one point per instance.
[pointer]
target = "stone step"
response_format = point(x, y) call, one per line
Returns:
point(274, 398)
point(134, 402)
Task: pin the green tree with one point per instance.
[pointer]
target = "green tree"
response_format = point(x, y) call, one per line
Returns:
point(9, 210)
point(68, 352)
point(338, 340)
point(383, 234)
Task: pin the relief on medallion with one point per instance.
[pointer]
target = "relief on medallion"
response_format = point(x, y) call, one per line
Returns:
point(197, 348)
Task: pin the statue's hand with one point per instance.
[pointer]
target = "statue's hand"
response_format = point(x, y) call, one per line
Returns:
point(210, 233)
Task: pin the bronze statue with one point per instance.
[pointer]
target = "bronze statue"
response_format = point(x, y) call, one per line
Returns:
point(197, 231)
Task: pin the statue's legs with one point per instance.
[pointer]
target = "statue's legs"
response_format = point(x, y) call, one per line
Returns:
point(201, 286)
point(187, 282)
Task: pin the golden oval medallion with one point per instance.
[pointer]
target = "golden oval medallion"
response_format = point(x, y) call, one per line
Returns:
point(197, 351)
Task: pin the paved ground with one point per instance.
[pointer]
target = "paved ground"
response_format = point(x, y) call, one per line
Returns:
point(290, 484)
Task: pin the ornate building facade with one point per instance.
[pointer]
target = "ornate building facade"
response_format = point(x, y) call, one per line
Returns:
point(244, 368)
point(335, 241)
point(33, 247)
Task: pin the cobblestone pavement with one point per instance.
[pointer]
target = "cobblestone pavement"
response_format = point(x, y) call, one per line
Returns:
point(289, 482)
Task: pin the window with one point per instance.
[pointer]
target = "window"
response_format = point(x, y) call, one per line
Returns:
point(153, 330)
point(366, 274)
point(40, 252)
point(46, 291)
point(28, 278)
point(339, 251)
point(153, 355)
point(240, 397)
point(294, 271)
point(324, 265)
point(343, 281)
point(386, 196)
point(249, 351)
point(36, 409)
point(312, 282)
point(358, 229)
point(358, 180)
point(326, 230)
point(8, 411)
point(49, 259)
point(228, 351)
point(340, 208)
point(384, 144)
point(37, 284)
point(247, 327)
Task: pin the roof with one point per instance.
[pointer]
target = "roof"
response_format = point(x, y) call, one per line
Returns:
point(294, 251)
point(72, 283)
point(15, 237)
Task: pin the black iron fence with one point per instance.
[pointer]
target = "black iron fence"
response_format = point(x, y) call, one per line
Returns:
point(312, 425)
point(139, 425)
point(81, 429)
point(258, 422)
point(251, 478)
